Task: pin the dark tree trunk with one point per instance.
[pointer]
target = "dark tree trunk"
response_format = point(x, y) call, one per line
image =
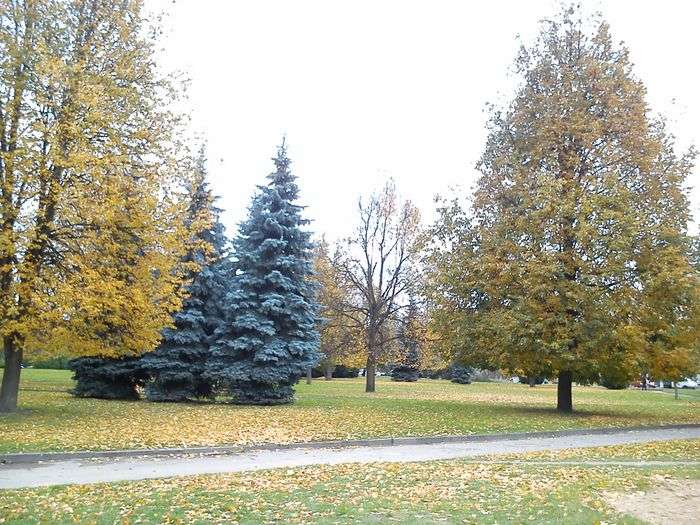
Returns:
point(10, 377)
point(531, 381)
point(564, 398)
point(371, 373)
point(309, 377)
point(371, 370)
point(328, 372)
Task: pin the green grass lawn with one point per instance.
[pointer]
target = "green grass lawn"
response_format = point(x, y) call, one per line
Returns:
point(51, 419)
point(454, 491)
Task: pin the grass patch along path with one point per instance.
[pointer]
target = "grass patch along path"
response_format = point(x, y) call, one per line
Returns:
point(53, 420)
point(450, 491)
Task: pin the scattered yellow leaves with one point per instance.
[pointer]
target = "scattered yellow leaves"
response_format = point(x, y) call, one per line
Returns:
point(454, 491)
point(325, 410)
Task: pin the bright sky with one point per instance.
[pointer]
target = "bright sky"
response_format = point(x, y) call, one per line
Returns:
point(365, 90)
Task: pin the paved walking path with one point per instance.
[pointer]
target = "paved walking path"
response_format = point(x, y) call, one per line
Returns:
point(73, 471)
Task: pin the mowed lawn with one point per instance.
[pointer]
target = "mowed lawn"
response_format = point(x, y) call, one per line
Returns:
point(524, 490)
point(51, 419)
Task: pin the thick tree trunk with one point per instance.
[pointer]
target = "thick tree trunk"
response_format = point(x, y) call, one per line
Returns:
point(564, 398)
point(531, 381)
point(10, 377)
point(309, 377)
point(328, 372)
point(371, 372)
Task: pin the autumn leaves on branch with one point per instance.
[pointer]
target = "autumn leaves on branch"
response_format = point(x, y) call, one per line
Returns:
point(92, 176)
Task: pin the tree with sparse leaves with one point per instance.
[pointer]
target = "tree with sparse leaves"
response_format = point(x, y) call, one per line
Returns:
point(378, 266)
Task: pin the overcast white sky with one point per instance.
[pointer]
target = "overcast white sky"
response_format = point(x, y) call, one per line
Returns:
point(370, 89)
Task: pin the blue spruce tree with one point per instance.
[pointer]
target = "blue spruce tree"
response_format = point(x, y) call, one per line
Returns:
point(106, 378)
point(176, 368)
point(461, 374)
point(269, 338)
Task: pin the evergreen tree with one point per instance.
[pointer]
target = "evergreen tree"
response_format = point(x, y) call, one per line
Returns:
point(176, 368)
point(106, 378)
point(409, 339)
point(269, 338)
point(461, 374)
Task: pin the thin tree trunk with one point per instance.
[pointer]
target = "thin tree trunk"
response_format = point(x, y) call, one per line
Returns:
point(309, 376)
point(328, 372)
point(564, 397)
point(371, 372)
point(10, 377)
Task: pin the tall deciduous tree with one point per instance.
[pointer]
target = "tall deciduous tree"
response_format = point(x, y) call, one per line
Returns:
point(377, 264)
point(577, 257)
point(269, 338)
point(90, 212)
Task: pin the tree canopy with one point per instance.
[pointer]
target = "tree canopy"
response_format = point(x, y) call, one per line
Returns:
point(91, 180)
point(574, 256)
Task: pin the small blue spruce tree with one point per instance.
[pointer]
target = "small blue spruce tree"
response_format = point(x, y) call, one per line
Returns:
point(107, 377)
point(176, 368)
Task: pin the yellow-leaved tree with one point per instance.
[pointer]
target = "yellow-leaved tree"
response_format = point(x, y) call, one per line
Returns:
point(342, 343)
point(91, 180)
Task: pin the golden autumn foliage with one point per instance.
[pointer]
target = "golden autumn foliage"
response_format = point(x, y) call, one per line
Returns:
point(91, 178)
point(341, 342)
point(432, 355)
point(574, 258)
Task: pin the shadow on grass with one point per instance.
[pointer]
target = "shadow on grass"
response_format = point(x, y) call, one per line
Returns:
point(552, 411)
